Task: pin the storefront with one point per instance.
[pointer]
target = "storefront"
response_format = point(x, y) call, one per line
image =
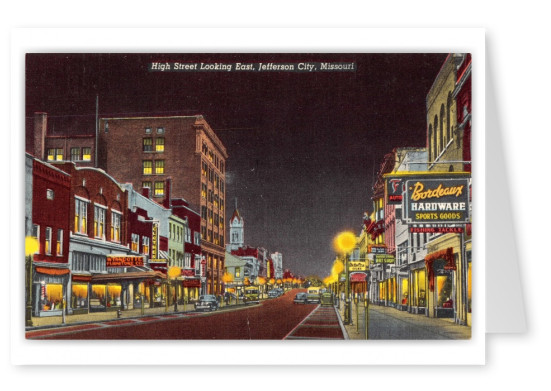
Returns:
point(441, 267)
point(49, 289)
point(417, 300)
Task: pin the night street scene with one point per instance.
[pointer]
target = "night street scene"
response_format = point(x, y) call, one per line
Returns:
point(287, 196)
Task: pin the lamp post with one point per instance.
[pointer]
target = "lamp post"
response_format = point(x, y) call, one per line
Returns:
point(31, 247)
point(344, 243)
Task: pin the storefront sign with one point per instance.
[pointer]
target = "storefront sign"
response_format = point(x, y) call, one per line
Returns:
point(358, 277)
point(438, 201)
point(374, 249)
point(394, 188)
point(124, 261)
point(384, 258)
point(355, 266)
point(436, 230)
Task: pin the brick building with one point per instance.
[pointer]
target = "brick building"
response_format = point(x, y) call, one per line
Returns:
point(147, 150)
point(51, 193)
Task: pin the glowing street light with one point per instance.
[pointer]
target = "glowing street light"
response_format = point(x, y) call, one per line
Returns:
point(31, 247)
point(344, 243)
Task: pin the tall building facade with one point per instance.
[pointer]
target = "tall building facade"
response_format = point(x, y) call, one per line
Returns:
point(146, 151)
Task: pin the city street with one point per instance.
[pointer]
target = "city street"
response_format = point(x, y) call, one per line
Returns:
point(271, 319)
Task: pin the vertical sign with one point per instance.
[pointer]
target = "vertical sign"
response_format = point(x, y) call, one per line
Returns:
point(154, 241)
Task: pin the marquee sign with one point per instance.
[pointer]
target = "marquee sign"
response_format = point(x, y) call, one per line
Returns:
point(155, 240)
point(384, 258)
point(356, 266)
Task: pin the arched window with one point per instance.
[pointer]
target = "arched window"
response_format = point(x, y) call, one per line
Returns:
point(451, 168)
point(430, 142)
point(436, 146)
point(448, 116)
point(443, 141)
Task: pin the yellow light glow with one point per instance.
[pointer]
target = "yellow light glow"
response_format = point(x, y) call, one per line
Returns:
point(227, 277)
point(345, 242)
point(338, 267)
point(31, 245)
point(174, 272)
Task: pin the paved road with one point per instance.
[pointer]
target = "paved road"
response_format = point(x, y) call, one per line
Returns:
point(272, 319)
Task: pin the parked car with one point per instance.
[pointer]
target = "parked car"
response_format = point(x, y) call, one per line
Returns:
point(326, 299)
point(279, 291)
point(273, 294)
point(206, 302)
point(301, 298)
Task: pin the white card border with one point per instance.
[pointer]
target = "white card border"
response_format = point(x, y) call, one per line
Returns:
point(383, 40)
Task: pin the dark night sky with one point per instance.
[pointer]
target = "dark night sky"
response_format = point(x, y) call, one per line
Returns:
point(303, 147)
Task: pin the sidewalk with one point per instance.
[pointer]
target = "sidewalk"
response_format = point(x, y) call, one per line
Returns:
point(386, 323)
point(57, 321)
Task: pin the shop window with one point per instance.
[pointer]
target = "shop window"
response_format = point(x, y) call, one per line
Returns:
point(160, 144)
point(59, 244)
point(51, 297)
point(159, 189)
point(148, 144)
point(115, 227)
point(75, 154)
point(99, 222)
point(48, 241)
point(79, 296)
point(86, 154)
point(159, 166)
point(135, 242)
point(147, 167)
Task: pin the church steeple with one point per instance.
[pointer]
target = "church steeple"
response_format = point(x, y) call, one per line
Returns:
point(236, 229)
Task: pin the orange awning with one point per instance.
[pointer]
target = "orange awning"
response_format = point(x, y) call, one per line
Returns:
point(51, 271)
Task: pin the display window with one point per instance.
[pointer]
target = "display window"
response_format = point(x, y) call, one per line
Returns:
point(418, 291)
point(114, 295)
point(444, 291)
point(79, 296)
point(98, 294)
point(51, 297)
point(405, 291)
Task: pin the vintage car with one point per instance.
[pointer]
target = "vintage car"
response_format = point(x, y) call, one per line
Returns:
point(300, 298)
point(252, 294)
point(326, 299)
point(314, 293)
point(273, 294)
point(206, 302)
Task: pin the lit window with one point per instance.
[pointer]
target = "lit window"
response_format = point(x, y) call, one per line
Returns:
point(75, 154)
point(160, 144)
point(59, 154)
point(203, 190)
point(135, 242)
point(237, 272)
point(148, 144)
point(211, 156)
point(221, 205)
point(59, 248)
point(87, 154)
point(145, 245)
point(48, 241)
point(51, 154)
point(159, 188)
point(81, 213)
point(146, 184)
point(147, 167)
point(115, 227)
point(159, 166)
point(99, 222)
point(204, 169)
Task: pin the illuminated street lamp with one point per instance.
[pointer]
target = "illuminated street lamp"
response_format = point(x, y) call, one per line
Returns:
point(173, 273)
point(344, 243)
point(31, 247)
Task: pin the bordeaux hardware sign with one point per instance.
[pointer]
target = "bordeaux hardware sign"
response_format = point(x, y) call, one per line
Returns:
point(437, 201)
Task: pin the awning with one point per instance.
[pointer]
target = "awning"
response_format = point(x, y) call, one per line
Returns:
point(195, 283)
point(51, 271)
point(114, 277)
point(358, 277)
point(81, 278)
